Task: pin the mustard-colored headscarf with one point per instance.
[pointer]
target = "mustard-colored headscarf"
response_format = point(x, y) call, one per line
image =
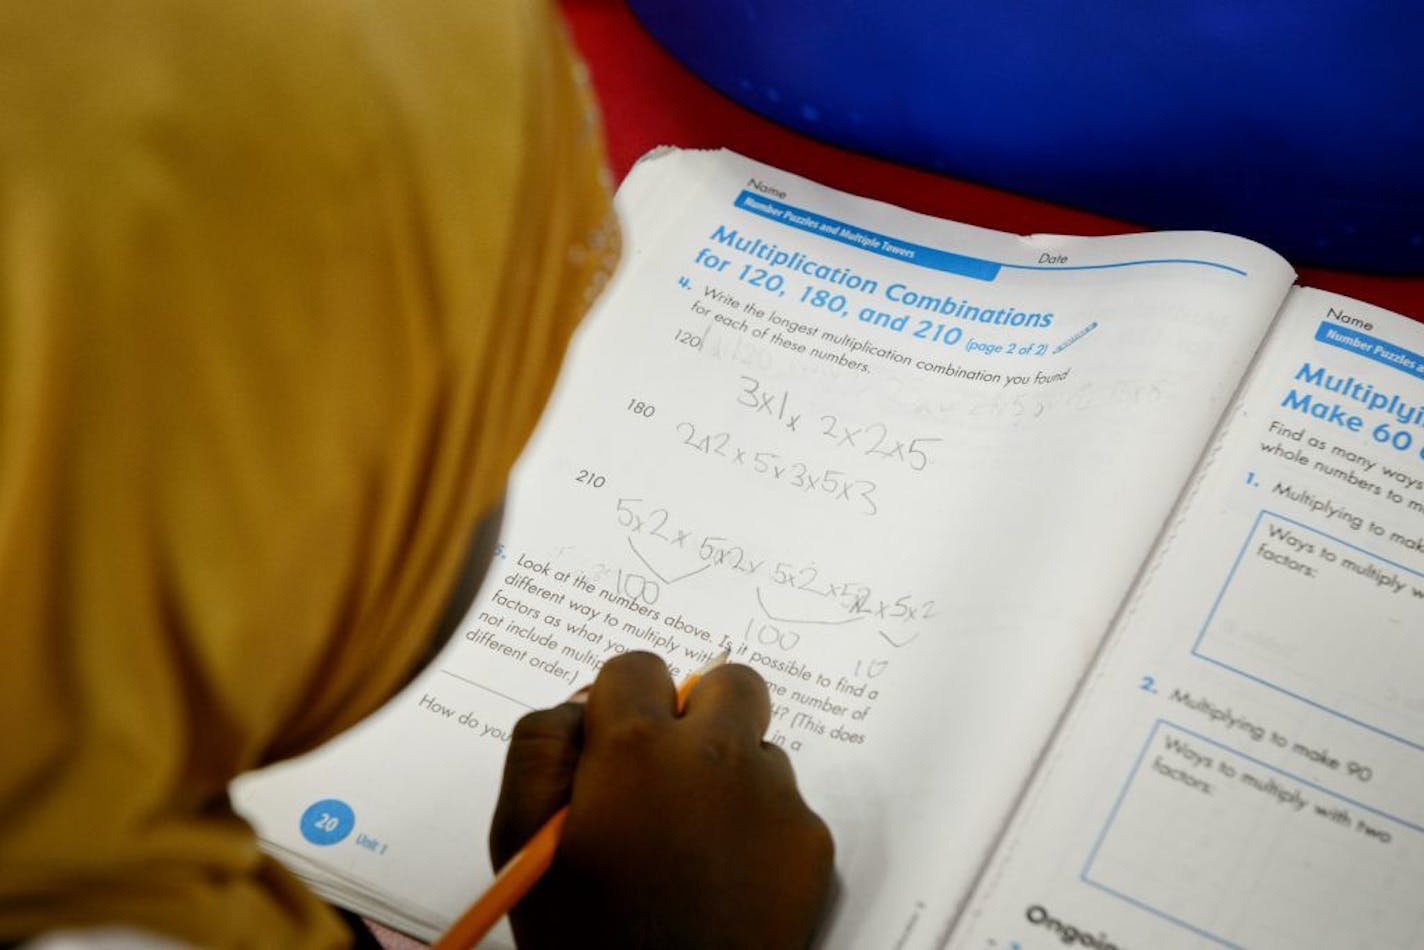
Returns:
point(283, 288)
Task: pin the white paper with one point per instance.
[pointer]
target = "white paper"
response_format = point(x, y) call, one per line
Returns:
point(919, 541)
point(1245, 767)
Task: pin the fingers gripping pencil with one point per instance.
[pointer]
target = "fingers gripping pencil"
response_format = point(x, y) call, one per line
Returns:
point(521, 872)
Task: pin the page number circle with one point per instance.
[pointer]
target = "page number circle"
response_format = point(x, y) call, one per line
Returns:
point(327, 821)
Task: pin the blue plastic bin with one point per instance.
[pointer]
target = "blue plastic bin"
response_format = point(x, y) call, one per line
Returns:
point(1298, 124)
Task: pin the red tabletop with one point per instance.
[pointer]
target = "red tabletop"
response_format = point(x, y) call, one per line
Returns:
point(649, 99)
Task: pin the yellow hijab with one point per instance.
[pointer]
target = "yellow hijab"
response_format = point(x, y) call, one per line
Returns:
point(283, 289)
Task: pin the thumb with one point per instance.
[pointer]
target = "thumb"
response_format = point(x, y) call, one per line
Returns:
point(538, 776)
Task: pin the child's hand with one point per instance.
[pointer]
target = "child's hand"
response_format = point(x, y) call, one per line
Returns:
point(683, 831)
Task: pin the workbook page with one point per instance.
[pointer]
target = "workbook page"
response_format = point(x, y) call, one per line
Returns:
point(904, 469)
point(1245, 766)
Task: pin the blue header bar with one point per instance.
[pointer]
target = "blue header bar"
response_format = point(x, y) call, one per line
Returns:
point(1371, 348)
point(870, 241)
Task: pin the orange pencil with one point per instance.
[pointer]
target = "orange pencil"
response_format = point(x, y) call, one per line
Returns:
point(522, 872)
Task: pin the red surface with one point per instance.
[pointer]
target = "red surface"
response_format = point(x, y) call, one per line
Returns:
point(649, 99)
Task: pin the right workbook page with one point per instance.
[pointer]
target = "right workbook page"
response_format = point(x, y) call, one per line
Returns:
point(1243, 767)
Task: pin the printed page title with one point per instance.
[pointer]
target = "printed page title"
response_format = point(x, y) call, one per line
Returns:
point(1356, 405)
point(900, 293)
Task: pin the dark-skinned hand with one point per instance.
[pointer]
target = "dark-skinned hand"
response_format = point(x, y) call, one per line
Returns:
point(684, 831)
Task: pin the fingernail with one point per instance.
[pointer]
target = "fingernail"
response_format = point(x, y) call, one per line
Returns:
point(580, 697)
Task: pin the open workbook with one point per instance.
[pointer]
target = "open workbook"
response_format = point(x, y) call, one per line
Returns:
point(1085, 574)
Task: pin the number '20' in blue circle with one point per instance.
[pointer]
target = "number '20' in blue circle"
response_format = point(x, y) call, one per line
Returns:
point(327, 821)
